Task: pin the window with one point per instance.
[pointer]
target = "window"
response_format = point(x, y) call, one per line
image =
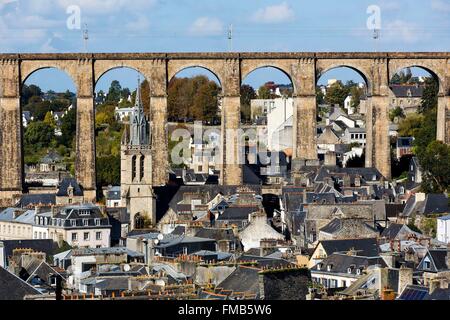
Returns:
point(427, 264)
point(74, 236)
point(329, 267)
point(97, 222)
point(86, 236)
point(141, 173)
point(133, 168)
point(98, 235)
point(85, 222)
point(73, 222)
point(70, 201)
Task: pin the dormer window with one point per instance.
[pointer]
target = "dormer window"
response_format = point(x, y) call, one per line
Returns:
point(85, 222)
point(329, 267)
point(73, 222)
point(319, 266)
point(350, 269)
point(97, 222)
point(359, 271)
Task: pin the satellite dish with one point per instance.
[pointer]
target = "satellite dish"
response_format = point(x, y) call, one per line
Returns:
point(160, 236)
point(126, 268)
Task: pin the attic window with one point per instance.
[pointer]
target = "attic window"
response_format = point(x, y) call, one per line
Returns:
point(359, 271)
point(319, 266)
point(329, 267)
point(350, 269)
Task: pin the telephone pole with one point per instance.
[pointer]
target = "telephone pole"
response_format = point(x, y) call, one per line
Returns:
point(230, 38)
point(85, 37)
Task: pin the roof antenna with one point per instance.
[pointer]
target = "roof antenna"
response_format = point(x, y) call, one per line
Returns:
point(85, 37)
point(230, 38)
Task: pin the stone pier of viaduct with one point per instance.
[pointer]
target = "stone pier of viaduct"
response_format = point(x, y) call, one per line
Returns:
point(304, 69)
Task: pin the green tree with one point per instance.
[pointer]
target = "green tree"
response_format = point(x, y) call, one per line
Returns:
point(336, 94)
point(264, 93)
point(50, 120)
point(247, 95)
point(68, 128)
point(429, 96)
point(409, 126)
point(108, 170)
point(396, 113)
point(38, 135)
point(356, 93)
point(320, 97)
point(114, 92)
point(435, 162)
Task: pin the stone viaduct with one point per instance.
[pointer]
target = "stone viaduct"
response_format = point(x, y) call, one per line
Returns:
point(304, 69)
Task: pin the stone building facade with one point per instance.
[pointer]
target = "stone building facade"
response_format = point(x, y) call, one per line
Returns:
point(136, 169)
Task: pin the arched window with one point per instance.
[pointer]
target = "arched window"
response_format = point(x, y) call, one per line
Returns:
point(141, 173)
point(138, 221)
point(133, 167)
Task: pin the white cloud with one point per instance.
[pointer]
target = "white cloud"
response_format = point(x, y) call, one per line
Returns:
point(274, 14)
point(403, 31)
point(440, 5)
point(206, 26)
point(105, 7)
point(138, 24)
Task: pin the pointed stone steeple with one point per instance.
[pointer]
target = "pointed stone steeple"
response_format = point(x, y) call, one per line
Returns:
point(139, 125)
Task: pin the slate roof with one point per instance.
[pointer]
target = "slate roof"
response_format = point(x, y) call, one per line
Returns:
point(113, 193)
point(320, 197)
point(39, 245)
point(342, 262)
point(439, 258)
point(38, 268)
point(65, 183)
point(172, 240)
point(179, 230)
point(169, 196)
point(14, 288)
point(393, 230)
point(264, 261)
point(401, 91)
point(216, 233)
point(364, 247)
point(51, 157)
point(27, 200)
point(435, 203)
point(237, 213)
point(101, 251)
point(243, 279)
point(439, 294)
point(414, 292)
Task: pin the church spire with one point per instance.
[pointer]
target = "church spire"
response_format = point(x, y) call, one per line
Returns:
point(139, 127)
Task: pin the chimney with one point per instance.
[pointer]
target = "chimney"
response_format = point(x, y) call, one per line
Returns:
point(448, 256)
point(434, 284)
point(405, 278)
point(330, 158)
point(420, 197)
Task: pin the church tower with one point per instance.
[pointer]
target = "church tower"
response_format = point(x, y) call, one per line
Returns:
point(136, 168)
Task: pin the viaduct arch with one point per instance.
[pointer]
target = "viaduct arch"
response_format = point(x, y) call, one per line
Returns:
point(230, 68)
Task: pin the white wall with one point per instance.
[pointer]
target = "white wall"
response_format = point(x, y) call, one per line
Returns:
point(443, 230)
point(282, 110)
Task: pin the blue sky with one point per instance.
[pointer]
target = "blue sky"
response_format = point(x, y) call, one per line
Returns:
point(201, 25)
